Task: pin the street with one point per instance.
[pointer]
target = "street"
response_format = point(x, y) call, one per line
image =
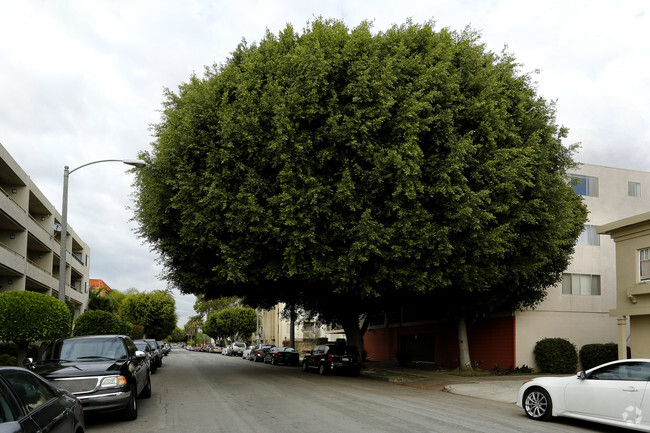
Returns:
point(206, 392)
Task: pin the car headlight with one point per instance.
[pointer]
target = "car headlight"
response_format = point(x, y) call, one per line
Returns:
point(113, 382)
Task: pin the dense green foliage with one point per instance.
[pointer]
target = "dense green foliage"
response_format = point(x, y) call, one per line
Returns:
point(29, 317)
point(177, 336)
point(235, 323)
point(346, 171)
point(556, 355)
point(98, 322)
point(592, 355)
point(99, 301)
point(154, 311)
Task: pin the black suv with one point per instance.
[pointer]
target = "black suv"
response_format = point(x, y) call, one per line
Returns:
point(330, 358)
point(105, 372)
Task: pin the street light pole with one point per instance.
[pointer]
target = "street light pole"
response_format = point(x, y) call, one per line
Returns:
point(64, 216)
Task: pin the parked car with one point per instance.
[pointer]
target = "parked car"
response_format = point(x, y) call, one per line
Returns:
point(216, 349)
point(158, 355)
point(237, 348)
point(226, 350)
point(164, 347)
point(331, 358)
point(143, 346)
point(30, 404)
point(247, 352)
point(282, 355)
point(259, 351)
point(612, 394)
point(105, 372)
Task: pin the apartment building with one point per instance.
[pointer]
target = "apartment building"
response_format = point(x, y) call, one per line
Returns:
point(30, 240)
point(275, 329)
point(577, 309)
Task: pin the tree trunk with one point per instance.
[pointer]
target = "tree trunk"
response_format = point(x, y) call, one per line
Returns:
point(354, 333)
point(292, 329)
point(21, 352)
point(463, 346)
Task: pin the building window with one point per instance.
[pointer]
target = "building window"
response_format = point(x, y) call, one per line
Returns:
point(634, 189)
point(585, 185)
point(589, 236)
point(581, 284)
point(644, 264)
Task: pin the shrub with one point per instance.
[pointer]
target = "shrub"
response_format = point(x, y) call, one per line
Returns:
point(31, 316)
point(98, 322)
point(7, 359)
point(592, 355)
point(556, 355)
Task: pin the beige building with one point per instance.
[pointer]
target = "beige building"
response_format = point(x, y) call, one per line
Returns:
point(632, 238)
point(276, 330)
point(29, 240)
point(579, 308)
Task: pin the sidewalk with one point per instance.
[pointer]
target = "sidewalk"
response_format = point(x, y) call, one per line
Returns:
point(497, 388)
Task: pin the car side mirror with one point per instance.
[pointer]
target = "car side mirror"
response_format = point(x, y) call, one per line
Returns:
point(140, 354)
point(582, 375)
point(28, 362)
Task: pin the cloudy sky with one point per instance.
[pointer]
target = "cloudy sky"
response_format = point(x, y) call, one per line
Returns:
point(82, 81)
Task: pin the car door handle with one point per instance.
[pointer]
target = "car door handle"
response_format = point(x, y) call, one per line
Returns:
point(630, 389)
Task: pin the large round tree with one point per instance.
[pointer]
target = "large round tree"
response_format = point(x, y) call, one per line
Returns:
point(343, 170)
point(27, 317)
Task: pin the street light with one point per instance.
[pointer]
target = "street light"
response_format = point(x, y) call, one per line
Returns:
point(64, 215)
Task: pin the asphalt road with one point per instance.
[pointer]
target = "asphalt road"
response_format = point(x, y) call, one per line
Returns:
point(206, 392)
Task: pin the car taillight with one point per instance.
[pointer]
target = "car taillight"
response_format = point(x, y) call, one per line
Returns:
point(329, 358)
point(358, 360)
point(277, 354)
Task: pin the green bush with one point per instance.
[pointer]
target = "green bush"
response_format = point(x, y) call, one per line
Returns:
point(98, 322)
point(556, 355)
point(592, 355)
point(7, 359)
point(31, 316)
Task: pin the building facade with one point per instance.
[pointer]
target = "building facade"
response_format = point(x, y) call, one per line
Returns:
point(577, 309)
point(632, 312)
point(30, 242)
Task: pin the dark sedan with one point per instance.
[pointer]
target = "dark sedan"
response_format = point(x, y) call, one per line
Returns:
point(105, 372)
point(282, 355)
point(29, 404)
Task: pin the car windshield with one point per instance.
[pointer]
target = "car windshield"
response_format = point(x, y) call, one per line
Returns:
point(84, 350)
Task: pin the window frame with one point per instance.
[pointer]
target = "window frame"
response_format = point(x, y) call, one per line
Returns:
point(633, 189)
point(644, 262)
point(595, 288)
point(588, 183)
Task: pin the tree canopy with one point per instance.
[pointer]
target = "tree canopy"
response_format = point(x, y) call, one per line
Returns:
point(342, 170)
point(154, 311)
point(231, 323)
point(99, 322)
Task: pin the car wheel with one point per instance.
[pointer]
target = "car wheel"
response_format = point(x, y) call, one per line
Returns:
point(322, 370)
point(537, 404)
point(131, 409)
point(304, 366)
point(146, 392)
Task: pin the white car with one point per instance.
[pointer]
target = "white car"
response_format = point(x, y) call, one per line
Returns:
point(612, 394)
point(247, 352)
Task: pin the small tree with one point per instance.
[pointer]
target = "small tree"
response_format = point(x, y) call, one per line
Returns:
point(233, 322)
point(97, 322)
point(30, 316)
point(155, 311)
